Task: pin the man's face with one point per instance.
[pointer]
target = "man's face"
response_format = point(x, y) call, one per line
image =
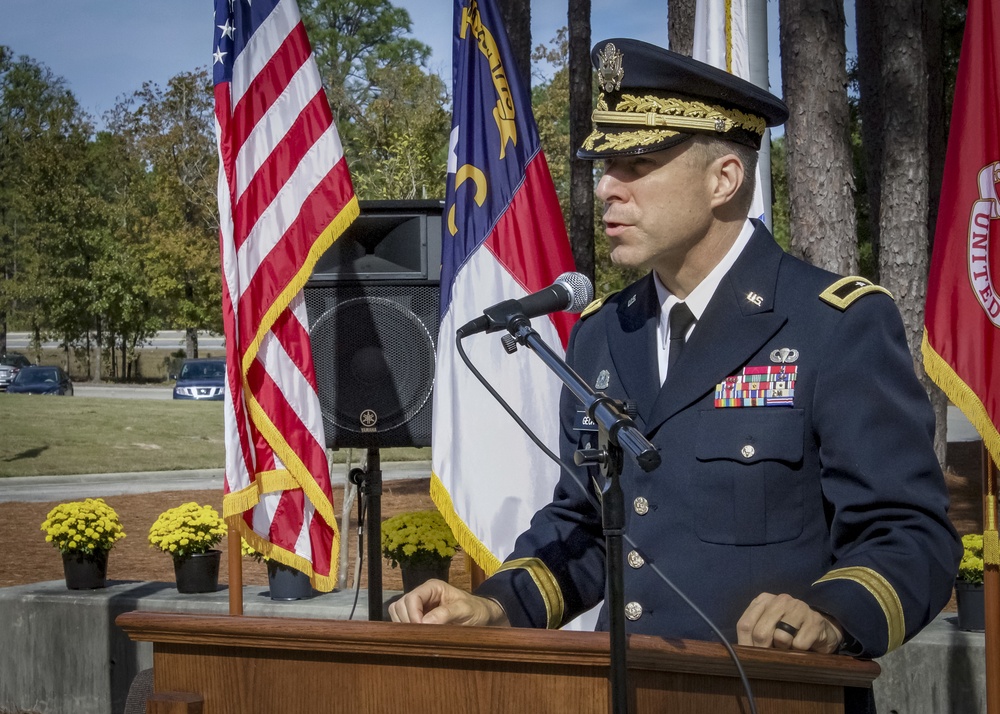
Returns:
point(656, 206)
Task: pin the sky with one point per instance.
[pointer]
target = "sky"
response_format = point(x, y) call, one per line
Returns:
point(106, 49)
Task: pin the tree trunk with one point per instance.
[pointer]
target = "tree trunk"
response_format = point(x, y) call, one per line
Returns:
point(98, 374)
point(680, 25)
point(581, 192)
point(904, 209)
point(871, 108)
point(516, 16)
point(937, 141)
point(191, 342)
point(821, 185)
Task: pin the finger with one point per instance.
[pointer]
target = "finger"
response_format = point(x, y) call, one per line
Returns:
point(419, 602)
point(778, 608)
point(749, 619)
point(400, 610)
point(783, 636)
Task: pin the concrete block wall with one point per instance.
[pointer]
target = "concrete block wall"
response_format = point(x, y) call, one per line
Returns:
point(61, 652)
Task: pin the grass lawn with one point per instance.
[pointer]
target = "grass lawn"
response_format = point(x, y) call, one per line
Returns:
point(84, 435)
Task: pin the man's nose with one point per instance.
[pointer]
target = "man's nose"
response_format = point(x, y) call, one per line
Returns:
point(608, 188)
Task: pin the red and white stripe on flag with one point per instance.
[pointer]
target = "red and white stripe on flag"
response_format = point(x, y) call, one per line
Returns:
point(285, 195)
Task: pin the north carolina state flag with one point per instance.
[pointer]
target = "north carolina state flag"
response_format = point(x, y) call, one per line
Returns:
point(961, 345)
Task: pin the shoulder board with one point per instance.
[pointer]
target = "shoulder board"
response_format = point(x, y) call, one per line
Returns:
point(846, 290)
point(595, 306)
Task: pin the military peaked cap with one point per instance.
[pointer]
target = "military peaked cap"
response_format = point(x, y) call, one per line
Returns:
point(652, 99)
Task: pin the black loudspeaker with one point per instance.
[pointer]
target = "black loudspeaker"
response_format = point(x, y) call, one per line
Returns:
point(374, 302)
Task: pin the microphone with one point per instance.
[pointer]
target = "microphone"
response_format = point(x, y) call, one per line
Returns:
point(571, 292)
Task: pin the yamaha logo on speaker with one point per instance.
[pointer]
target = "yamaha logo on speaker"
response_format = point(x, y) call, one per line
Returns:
point(368, 421)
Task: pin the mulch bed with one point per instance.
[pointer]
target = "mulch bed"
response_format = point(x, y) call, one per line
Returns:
point(27, 558)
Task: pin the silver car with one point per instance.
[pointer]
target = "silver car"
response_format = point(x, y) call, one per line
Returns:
point(10, 364)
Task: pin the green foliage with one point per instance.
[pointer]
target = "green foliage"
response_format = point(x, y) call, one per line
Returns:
point(550, 103)
point(43, 205)
point(390, 111)
point(779, 192)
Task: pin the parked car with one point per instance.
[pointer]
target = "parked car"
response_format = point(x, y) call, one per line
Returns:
point(203, 379)
point(41, 380)
point(10, 364)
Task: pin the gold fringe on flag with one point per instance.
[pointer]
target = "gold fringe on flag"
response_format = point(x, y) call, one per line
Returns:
point(962, 396)
point(470, 544)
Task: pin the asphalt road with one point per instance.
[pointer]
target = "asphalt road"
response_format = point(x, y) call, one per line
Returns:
point(166, 339)
point(61, 488)
point(123, 391)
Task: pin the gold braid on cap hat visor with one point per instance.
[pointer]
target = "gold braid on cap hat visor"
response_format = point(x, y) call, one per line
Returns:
point(676, 114)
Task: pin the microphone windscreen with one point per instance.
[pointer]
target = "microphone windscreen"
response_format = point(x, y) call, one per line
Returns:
point(581, 291)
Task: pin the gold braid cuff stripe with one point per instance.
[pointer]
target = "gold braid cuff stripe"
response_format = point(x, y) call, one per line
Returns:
point(883, 593)
point(548, 588)
point(677, 114)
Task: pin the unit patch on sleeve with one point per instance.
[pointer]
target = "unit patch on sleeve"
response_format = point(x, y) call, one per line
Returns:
point(768, 386)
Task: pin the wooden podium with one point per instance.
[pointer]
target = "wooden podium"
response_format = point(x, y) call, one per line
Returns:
point(254, 665)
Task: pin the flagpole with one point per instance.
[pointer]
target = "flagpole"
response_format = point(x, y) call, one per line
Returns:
point(757, 41)
point(991, 582)
point(235, 571)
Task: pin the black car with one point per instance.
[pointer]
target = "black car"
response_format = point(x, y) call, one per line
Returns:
point(10, 364)
point(202, 379)
point(41, 380)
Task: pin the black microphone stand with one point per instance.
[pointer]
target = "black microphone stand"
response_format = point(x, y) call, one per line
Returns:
point(369, 483)
point(617, 433)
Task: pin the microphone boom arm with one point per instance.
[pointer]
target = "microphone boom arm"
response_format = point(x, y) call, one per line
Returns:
point(606, 412)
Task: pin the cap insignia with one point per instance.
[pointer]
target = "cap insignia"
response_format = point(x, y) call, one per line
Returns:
point(609, 68)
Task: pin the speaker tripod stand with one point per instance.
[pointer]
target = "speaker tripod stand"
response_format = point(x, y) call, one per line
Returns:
point(369, 483)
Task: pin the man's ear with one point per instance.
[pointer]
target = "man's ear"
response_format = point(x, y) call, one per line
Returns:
point(728, 176)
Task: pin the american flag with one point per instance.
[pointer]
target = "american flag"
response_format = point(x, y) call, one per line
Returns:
point(285, 194)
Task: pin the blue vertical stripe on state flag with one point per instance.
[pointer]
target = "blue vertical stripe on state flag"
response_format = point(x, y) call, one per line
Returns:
point(488, 94)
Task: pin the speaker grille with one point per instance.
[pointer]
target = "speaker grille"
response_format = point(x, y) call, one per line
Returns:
point(374, 351)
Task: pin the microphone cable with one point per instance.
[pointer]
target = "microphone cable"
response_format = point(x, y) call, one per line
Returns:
point(357, 476)
point(592, 500)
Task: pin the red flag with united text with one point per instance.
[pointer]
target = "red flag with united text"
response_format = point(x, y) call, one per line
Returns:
point(961, 344)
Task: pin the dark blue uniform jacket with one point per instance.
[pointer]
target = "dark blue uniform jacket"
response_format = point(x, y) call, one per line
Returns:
point(833, 495)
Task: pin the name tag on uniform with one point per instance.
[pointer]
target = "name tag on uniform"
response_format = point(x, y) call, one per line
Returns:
point(584, 422)
point(770, 386)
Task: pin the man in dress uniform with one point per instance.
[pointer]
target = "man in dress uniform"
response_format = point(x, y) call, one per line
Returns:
point(799, 502)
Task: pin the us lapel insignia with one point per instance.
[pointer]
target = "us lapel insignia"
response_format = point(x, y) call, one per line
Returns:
point(755, 298)
point(603, 380)
point(785, 355)
point(631, 301)
point(772, 386)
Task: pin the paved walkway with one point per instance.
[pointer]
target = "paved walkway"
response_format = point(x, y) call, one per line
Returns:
point(56, 488)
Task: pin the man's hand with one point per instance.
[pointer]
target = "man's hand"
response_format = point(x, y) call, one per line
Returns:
point(438, 603)
point(814, 631)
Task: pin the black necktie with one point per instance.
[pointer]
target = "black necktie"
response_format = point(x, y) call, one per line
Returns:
point(680, 322)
